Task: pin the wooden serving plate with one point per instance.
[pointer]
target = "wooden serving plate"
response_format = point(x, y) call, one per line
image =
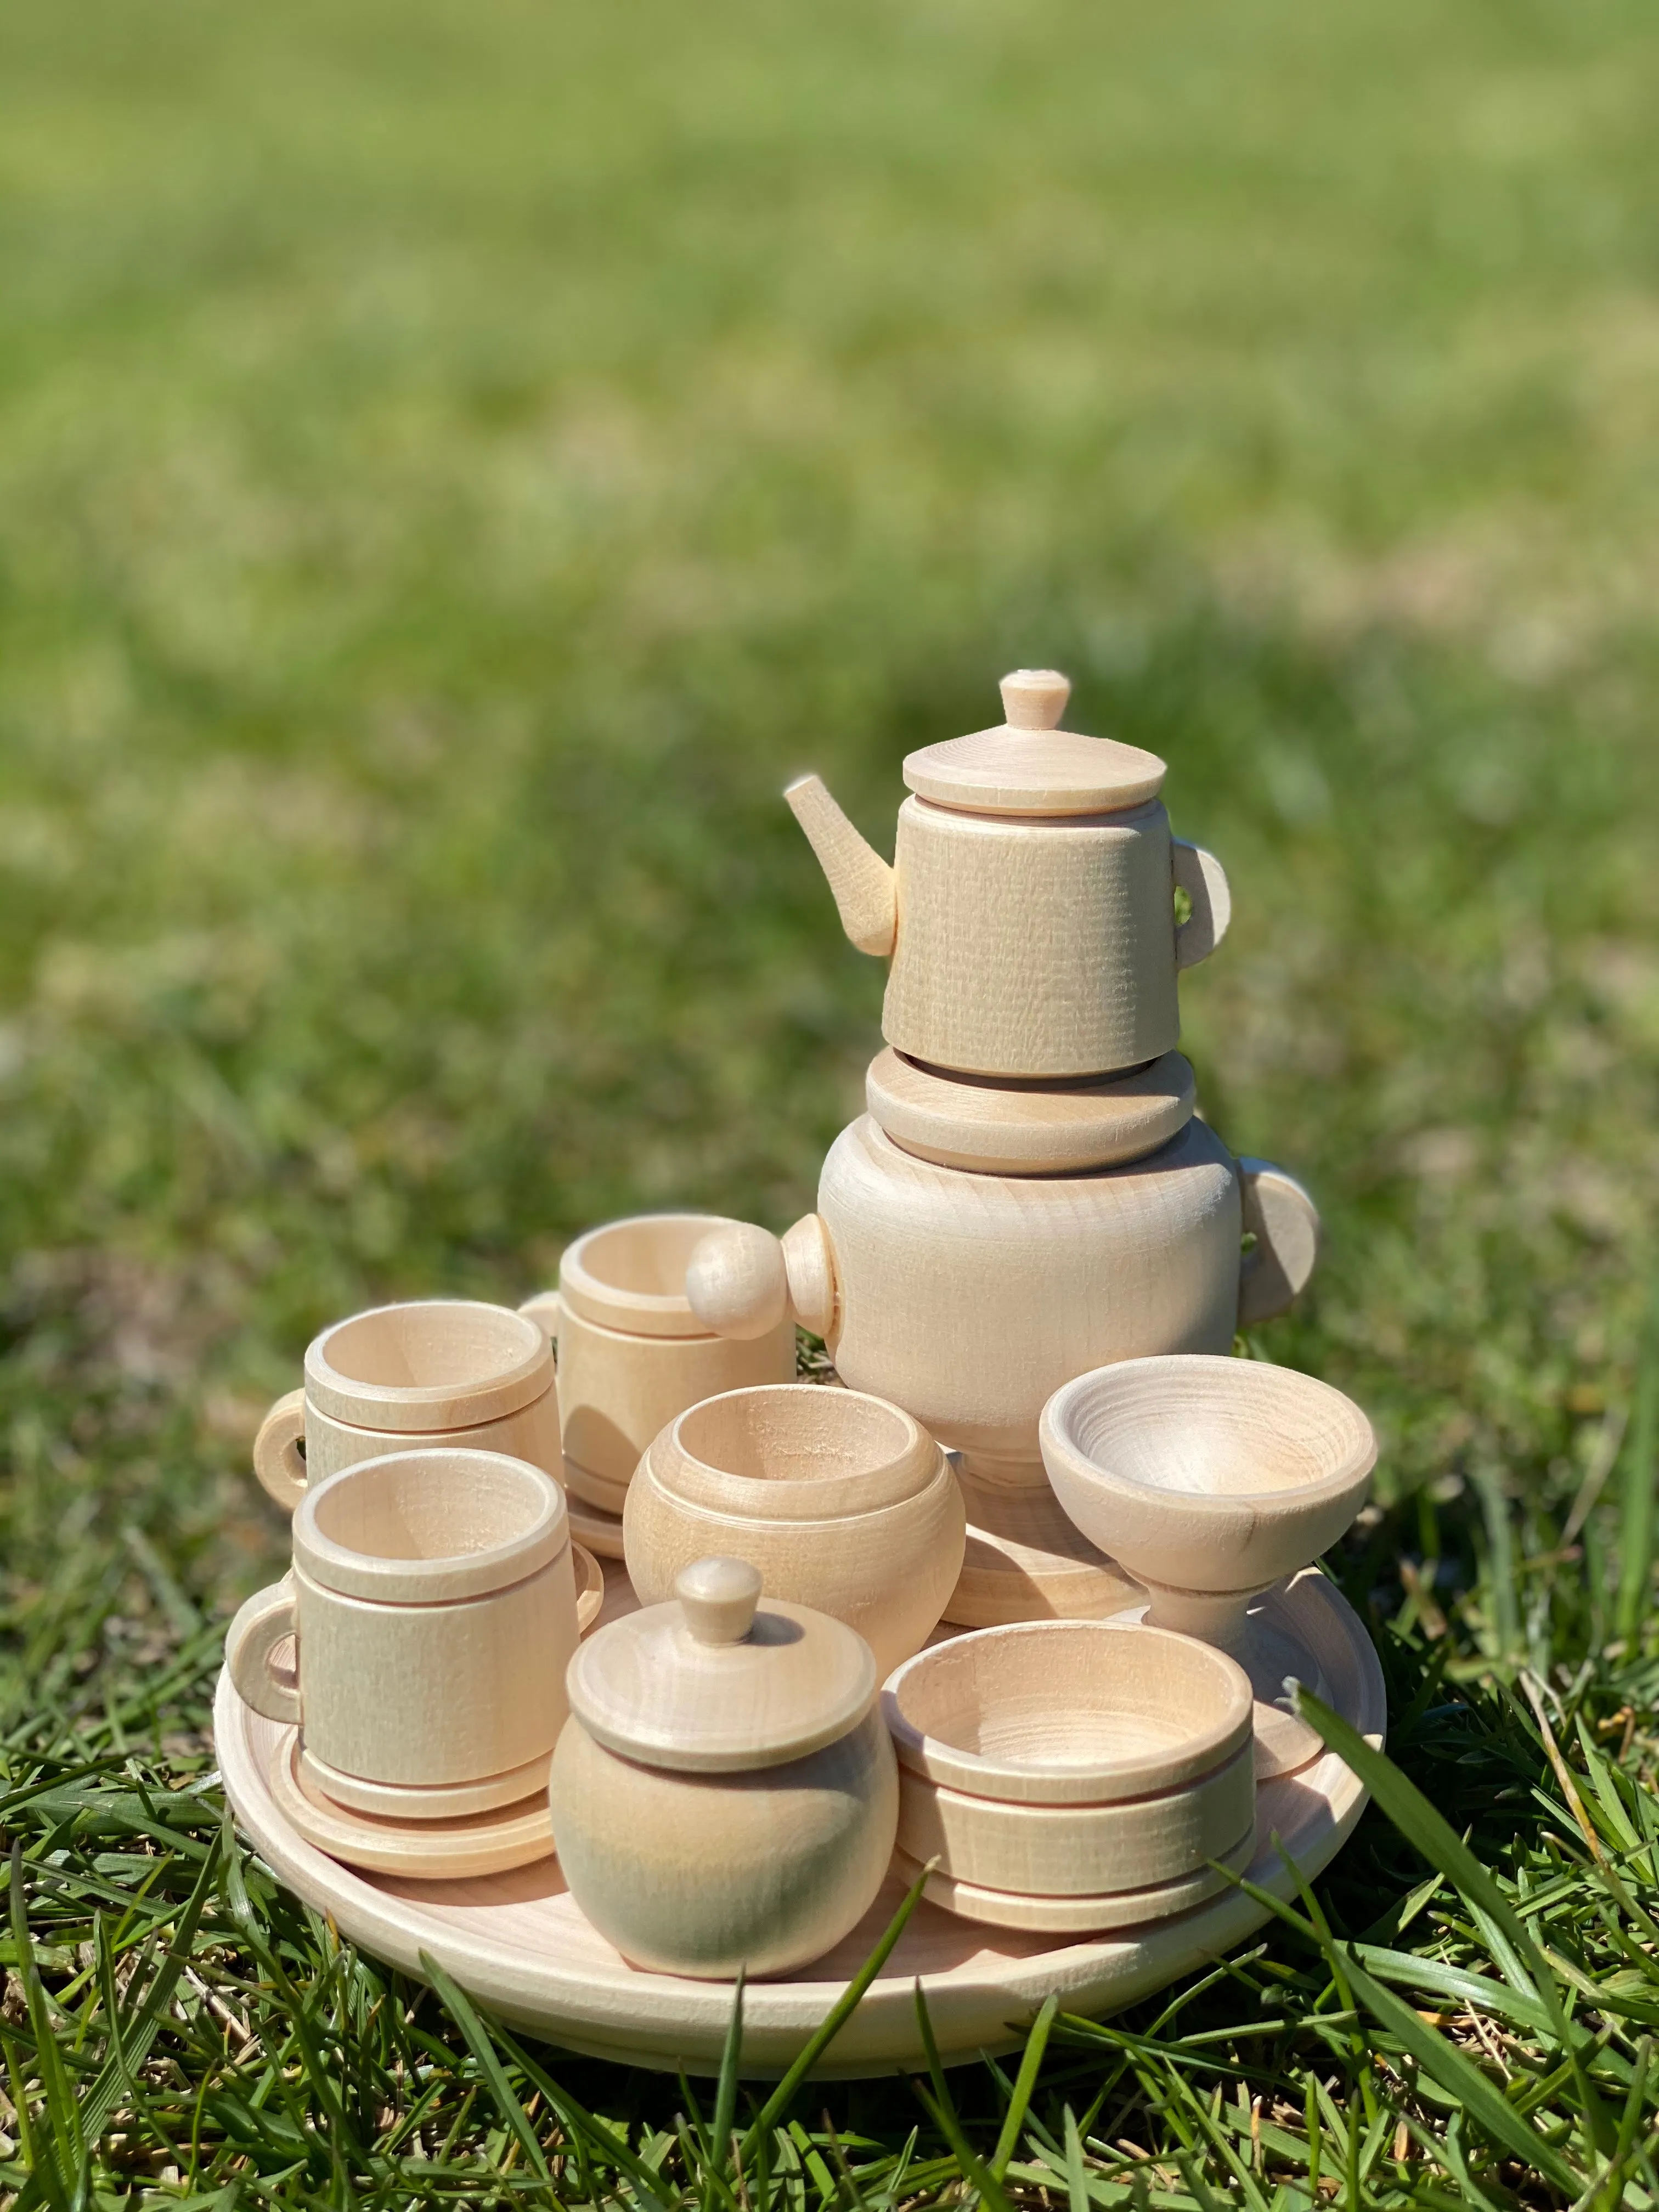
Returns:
point(517, 1943)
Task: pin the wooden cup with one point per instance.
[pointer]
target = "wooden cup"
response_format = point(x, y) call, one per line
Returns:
point(433, 1600)
point(437, 1373)
point(632, 1354)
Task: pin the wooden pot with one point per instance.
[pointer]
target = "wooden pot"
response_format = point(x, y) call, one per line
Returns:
point(837, 1497)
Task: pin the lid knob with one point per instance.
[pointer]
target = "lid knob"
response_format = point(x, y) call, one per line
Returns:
point(718, 1598)
point(1034, 698)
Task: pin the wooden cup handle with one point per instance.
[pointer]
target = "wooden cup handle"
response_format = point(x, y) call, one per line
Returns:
point(1202, 877)
point(547, 1311)
point(590, 1586)
point(279, 1459)
point(1285, 1222)
point(251, 1637)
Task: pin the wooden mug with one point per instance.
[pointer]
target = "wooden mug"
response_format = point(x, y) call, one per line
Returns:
point(632, 1354)
point(434, 1602)
point(432, 1373)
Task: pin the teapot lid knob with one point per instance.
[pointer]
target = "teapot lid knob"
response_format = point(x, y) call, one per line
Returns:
point(718, 1598)
point(1034, 698)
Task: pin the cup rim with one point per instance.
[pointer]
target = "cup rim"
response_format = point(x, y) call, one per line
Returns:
point(345, 1571)
point(416, 1409)
point(589, 1294)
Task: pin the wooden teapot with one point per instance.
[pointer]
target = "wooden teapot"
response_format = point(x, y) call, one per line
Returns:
point(968, 1298)
point(1030, 910)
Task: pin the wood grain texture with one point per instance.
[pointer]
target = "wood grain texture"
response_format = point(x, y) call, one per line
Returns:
point(1056, 1916)
point(298, 1444)
point(840, 1500)
point(518, 1943)
point(860, 880)
point(434, 1364)
point(968, 1299)
point(1026, 764)
point(1067, 1712)
point(435, 1602)
point(630, 1274)
point(993, 1125)
point(456, 1848)
point(703, 1875)
point(1024, 1561)
point(1079, 1850)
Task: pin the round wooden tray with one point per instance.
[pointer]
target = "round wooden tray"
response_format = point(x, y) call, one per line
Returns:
point(517, 1943)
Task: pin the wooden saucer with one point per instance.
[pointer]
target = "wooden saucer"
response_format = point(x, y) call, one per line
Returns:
point(1026, 1561)
point(450, 1849)
point(600, 1532)
point(994, 1125)
point(418, 1802)
point(1080, 1916)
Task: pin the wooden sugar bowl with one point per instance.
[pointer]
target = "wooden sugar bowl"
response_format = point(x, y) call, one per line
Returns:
point(1073, 1774)
point(1029, 909)
point(631, 1352)
point(724, 1796)
point(837, 1497)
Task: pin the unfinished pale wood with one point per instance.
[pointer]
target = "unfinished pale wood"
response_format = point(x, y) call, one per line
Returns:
point(1024, 1560)
point(1029, 909)
point(1067, 1712)
point(969, 1298)
point(460, 1848)
point(589, 1578)
point(519, 1944)
point(725, 1796)
point(1137, 1909)
point(1211, 1478)
point(407, 1801)
point(432, 1364)
point(993, 1125)
point(632, 1352)
point(840, 1500)
point(601, 1532)
point(861, 880)
point(1279, 1213)
point(1078, 1851)
point(299, 1444)
point(434, 1597)
point(1027, 764)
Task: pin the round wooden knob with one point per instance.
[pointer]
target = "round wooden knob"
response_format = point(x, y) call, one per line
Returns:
point(718, 1598)
point(736, 1282)
point(1034, 698)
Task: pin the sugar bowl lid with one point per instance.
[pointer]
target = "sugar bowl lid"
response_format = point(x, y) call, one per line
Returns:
point(717, 1683)
point(1026, 765)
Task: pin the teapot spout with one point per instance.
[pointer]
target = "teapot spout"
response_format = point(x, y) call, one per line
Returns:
point(863, 884)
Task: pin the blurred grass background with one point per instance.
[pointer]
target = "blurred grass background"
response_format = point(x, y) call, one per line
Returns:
point(456, 463)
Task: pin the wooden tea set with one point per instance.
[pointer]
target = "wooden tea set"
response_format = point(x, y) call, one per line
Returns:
point(614, 1661)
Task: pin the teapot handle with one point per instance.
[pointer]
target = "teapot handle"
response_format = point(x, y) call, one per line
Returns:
point(1202, 877)
point(1285, 1222)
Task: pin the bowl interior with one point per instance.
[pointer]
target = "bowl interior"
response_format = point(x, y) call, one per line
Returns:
point(431, 1505)
point(1077, 1701)
point(438, 1344)
point(797, 1432)
point(1217, 1427)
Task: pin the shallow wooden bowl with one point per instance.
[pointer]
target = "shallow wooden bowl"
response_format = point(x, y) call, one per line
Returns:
point(1067, 1712)
point(1078, 1851)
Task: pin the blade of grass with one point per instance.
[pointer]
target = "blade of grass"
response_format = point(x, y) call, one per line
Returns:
point(460, 2009)
point(943, 2109)
point(1637, 1520)
point(1025, 2083)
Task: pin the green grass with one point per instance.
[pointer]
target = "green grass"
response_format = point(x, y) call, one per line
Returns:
point(454, 463)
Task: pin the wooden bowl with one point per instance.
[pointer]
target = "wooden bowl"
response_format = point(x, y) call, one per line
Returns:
point(1067, 1712)
point(1079, 1915)
point(1204, 1474)
point(843, 1501)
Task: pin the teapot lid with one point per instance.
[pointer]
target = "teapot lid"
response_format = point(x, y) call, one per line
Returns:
point(1025, 765)
point(715, 1682)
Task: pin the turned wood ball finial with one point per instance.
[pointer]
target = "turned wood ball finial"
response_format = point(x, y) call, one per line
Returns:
point(737, 1283)
point(718, 1598)
point(1034, 698)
